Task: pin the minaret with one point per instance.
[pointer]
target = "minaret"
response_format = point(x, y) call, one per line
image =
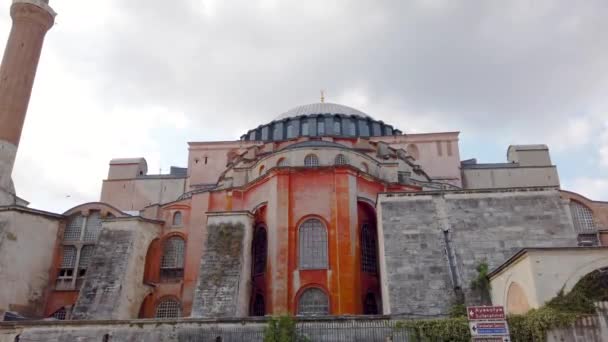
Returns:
point(31, 20)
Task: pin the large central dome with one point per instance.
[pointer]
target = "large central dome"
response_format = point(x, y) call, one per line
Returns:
point(321, 108)
point(320, 120)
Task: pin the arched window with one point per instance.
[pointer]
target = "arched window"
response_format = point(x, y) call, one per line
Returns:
point(313, 245)
point(368, 249)
point(337, 130)
point(320, 126)
point(73, 229)
point(60, 314)
point(370, 307)
point(259, 307)
point(177, 218)
point(582, 217)
point(340, 160)
point(66, 269)
point(93, 226)
point(313, 302)
point(168, 308)
point(282, 162)
point(259, 251)
point(311, 160)
point(364, 167)
point(172, 263)
point(86, 254)
point(290, 131)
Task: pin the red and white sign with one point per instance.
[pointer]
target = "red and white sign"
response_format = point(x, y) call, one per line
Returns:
point(485, 313)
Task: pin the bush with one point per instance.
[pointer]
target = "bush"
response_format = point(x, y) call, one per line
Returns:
point(282, 329)
point(437, 330)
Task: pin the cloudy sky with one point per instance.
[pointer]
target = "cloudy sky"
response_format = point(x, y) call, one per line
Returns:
point(142, 78)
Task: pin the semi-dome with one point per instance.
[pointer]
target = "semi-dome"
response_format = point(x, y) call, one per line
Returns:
point(320, 120)
point(321, 108)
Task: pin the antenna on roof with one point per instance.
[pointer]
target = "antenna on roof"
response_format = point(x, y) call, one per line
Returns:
point(322, 96)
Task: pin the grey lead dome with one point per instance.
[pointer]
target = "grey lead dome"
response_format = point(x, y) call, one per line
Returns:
point(321, 108)
point(320, 120)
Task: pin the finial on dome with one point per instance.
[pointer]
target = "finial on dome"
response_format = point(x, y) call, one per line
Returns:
point(322, 96)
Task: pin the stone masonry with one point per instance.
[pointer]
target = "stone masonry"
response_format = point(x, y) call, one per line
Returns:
point(223, 286)
point(421, 231)
point(113, 286)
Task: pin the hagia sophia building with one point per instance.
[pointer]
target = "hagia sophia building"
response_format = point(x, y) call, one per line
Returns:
point(324, 211)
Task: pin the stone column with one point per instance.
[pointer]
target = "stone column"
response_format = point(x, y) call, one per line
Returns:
point(31, 20)
point(224, 283)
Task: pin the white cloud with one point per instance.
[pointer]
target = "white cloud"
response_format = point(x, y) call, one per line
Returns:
point(593, 188)
point(136, 78)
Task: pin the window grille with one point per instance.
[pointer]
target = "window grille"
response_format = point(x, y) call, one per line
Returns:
point(69, 257)
point(177, 218)
point(93, 226)
point(173, 256)
point(311, 160)
point(282, 162)
point(320, 127)
point(259, 251)
point(73, 229)
point(313, 245)
point(368, 249)
point(340, 160)
point(60, 314)
point(304, 128)
point(582, 217)
point(86, 253)
point(290, 131)
point(172, 263)
point(363, 129)
point(352, 130)
point(168, 308)
point(370, 307)
point(403, 177)
point(277, 132)
point(259, 308)
point(337, 129)
point(313, 302)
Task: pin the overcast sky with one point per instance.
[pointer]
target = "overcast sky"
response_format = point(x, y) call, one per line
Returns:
point(142, 78)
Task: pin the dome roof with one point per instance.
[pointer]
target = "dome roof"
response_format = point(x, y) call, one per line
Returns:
point(321, 108)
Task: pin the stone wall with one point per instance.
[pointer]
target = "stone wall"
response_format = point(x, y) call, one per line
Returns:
point(433, 242)
point(343, 329)
point(27, 247)
point(113, 286)
point(224, 278)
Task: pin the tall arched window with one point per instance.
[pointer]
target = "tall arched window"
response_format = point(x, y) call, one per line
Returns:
point(177, 218)
point(313, 245)
point(172, 263)
point(311, 160)
point(313, 302)
point(259, 307)
point(337, 127)
point(582, 217)
point(73, 229)
point(168, 308)
point(93, 226)
point(282, 162)
point(340, 160)
point(260, 248)
point(369, 260)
